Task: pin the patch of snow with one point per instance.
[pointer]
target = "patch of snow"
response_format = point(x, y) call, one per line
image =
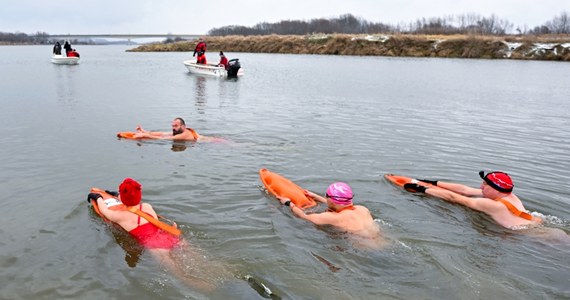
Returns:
point(372, 38)
point(437, 42)
point(511, 47)
point(540, 46)
point(317, 37)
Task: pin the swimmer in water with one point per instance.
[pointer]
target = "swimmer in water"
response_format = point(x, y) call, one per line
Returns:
point(179, 133)
point(494, 197)
point(159, 243)
point(342, 214)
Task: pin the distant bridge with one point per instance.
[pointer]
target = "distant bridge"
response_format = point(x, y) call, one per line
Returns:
point(124, 36)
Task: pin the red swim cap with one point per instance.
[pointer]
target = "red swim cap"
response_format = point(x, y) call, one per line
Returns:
point(130, 191)
point(500, 181)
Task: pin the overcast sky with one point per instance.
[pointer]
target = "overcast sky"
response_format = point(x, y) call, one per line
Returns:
point(197, 17)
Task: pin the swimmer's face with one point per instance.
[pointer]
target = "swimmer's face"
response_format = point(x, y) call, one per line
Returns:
point(488, 191)
point(177, 128)
point(331, 204)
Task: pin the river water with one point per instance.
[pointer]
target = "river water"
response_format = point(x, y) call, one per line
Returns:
point(314, 119)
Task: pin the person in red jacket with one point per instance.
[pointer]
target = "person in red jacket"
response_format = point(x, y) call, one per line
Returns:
point(201, 51)
point(73, 53)
point(223, 60)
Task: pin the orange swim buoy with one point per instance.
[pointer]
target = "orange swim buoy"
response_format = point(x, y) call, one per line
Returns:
point(401, 180)
point(278, 185)
point(127, 135)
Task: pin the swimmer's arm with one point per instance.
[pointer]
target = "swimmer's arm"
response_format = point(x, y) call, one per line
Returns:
point(185, 136)
point(109, 214)
point(325, 218)
point(447, 195)
point(154, 135)
point(460, 189)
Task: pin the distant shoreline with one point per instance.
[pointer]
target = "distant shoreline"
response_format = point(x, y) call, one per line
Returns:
point(550, 47)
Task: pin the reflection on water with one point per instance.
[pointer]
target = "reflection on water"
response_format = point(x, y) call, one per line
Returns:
point(315, 119)
point(65, 83)
point(178, 146)
point(200, 93)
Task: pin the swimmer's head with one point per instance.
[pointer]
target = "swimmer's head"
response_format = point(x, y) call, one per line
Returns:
point(131, 192)
point(178, 126)
point(340, 193)
point(499, 181)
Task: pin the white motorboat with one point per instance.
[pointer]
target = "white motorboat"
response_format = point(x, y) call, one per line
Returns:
point(59, 59)
point(234, 68)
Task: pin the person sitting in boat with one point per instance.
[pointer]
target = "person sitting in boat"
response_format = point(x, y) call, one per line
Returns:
point(494, 197)
point(67, 47)
point(179, 132)
point(158, 242)
point(223, 61)
point(342, 214)
point(201, 51)
point(57, 48)
point(73, 53)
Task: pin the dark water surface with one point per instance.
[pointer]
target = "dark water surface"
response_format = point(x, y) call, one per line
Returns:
point(314, 119)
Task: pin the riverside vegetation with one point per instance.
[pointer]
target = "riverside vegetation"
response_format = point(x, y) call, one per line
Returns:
point(543, 47)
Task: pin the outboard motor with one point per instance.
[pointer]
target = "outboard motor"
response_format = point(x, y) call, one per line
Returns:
point(233, 67)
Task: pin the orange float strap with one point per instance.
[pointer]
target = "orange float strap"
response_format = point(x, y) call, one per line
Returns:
point(166, 227)
point(515, 211)
point(278, 185)
point(349, 207)
point(194, 133)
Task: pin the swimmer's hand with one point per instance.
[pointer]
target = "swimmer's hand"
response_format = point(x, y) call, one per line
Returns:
point(314, 196)
point(112, 193)
point(283, 200)
point(140, 129)
point(415, 188)
point(93, 197)
point(432, 182)
point(309, 194)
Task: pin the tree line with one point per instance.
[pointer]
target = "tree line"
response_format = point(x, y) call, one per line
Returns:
point(456, 24)
point(36, 38)
point(349, 24)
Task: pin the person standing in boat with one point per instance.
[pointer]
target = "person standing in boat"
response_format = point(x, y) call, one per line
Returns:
point(67, 47)
point(342, 214)
point(57, 48)
point(201, 51)
point(223, 61)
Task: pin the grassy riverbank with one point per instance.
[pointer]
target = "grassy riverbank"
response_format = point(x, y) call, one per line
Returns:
point(452, 46)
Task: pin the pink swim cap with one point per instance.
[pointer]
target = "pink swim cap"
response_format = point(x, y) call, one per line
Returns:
point(340, 193)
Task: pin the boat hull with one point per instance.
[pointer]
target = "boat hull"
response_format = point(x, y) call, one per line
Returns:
point(203, 69)
point(207, 69)
point(64, 60)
